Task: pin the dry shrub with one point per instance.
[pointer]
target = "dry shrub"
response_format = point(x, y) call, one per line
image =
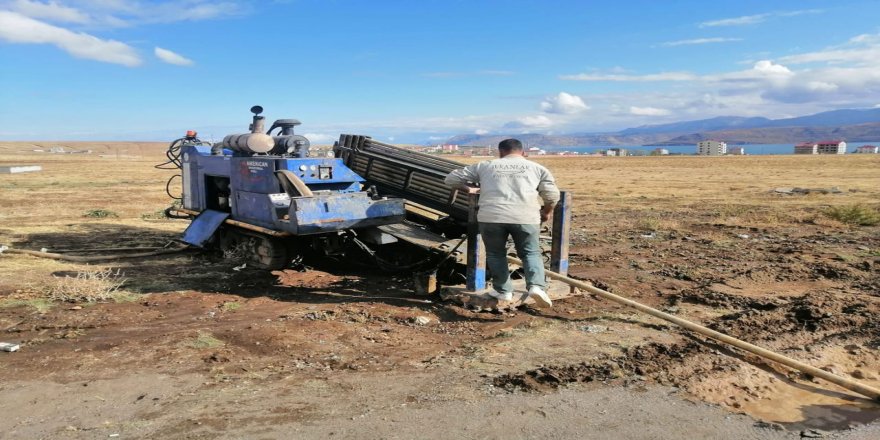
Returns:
point(730, 210)
point(205, 340)
point(88, 286)
point(765, 217)
point(800, 215)
point(656, 223)
point(238, 253)
point(858, 214)
point(40, 305)
point(648, 224)
point(100, 213)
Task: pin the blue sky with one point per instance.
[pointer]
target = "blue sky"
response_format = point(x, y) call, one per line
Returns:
point(420, 71)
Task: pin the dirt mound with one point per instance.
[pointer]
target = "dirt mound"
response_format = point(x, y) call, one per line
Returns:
point(833, 330)
point(645, 360)
point(819, 314)
point(718, 299)
point(549, 377)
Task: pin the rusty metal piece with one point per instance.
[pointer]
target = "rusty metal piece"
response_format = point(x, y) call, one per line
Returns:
point(242, 225)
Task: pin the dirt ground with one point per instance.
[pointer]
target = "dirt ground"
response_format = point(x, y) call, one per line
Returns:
point(189, 347)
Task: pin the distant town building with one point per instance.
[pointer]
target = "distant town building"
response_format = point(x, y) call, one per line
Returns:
point(15, 169)
point(660, 152)
point(867, 149)
point(821, 147)
point(831, 147)
point(610, 153)
point(536, 151)
point(617, 152)
point(806, 148)
point(737, 151)
point(449, 148)
point(711, 148)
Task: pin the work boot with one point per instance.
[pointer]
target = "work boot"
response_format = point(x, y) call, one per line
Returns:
point(540, 296)
point(501, 296)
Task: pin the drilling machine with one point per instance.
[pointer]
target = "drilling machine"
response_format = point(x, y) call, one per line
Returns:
point(262, 196)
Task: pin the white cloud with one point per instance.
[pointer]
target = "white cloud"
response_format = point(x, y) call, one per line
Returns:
point(767, 66)
point(822, 86)
point(664, 76)
point(761, 69)
point(468, 74)
point(17, 28)
point(699, 41)
point(756, 18)
point(51, 11)
point(858, 55)
point(769, 87)
point(648, 111)
point(800, 12)
point(196, 11)
point(172, 58)
point(26, 22)
point(564, 103)
point(861, 51)
point(321, 138)
point(121, 13)
point(841, 76)
point(865, 38)
point(736, 21)
point(528, 122)
point(137, 12)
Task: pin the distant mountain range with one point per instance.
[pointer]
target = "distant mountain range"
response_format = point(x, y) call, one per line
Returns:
point(854, 125)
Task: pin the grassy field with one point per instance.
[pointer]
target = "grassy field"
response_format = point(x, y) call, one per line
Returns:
point(705, 238)
point(610, 193)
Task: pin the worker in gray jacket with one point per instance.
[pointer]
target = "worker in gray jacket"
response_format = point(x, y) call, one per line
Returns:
point(510, 188)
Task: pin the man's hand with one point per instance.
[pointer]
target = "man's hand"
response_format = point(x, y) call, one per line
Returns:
point(471, 189)
point(546, 212)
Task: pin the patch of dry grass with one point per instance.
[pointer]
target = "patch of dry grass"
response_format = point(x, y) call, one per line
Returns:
point(205, 340)
point(100, 213)
point(40, 305)
point(230, 306)
point(858, 214)
point(610, 194)
point(96, 285)
point(654, 222)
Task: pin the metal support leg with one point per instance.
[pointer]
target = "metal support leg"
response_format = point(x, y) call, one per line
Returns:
point(561, 234)
point(476, 251)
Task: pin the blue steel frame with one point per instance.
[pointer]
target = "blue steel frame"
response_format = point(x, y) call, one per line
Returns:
point(256, 196)
point(561, 234)
point(476, 250)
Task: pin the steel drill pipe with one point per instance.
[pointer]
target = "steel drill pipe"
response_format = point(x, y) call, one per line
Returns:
point(851, 385)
